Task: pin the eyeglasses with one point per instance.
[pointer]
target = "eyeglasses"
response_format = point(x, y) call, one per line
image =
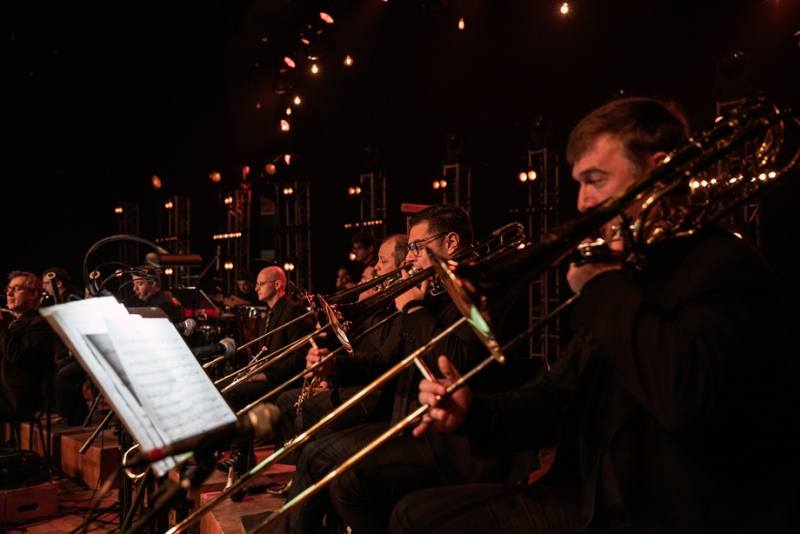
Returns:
point(414, 246)
point(15, 289)
point(265, 282)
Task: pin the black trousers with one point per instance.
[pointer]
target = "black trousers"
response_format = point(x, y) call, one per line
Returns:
point(69, 379)
point(365, 495)
point(490, 508)
point(318, 458)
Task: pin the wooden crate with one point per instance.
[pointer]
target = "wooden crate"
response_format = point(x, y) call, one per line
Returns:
point(21, 505)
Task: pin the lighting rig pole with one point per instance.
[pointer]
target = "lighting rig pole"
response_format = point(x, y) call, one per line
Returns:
point(177, 211)
point(293, 231)
point(544, 295)
point(237, 244)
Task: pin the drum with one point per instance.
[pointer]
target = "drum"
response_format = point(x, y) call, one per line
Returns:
point(251, 322)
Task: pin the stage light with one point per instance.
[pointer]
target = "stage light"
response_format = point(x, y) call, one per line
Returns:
point(118, 210)
point(297, 100)
point(288, 110)
point(215, 177)
point(284, 125)
point(461, 24)
point(288, 266)
point(289, 62)
point(156, 182)
point(564, 8)
point(314, 69)
point(270, 168)
point(327, 18)
point(168, 271)
point(287, 159)
point(168, 205)
point(228, 265)
point(352, 256)
point(288, 191)
point(348, 61)
point(439, 184)
point(228, 201)
point(436, 184)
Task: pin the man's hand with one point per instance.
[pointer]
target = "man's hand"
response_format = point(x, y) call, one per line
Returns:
point(415, 293)
point(327, 368)
point(446, 415)
point(579, 275)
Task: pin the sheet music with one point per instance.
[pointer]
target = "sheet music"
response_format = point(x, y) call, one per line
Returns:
point(166, 377)
point(145, 371)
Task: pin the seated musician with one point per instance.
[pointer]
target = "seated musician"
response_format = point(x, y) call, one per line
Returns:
point(304, 407)
point(271, 284)
point(672, 401)
point(27, 349)
point(148, 293)
point(447, 230)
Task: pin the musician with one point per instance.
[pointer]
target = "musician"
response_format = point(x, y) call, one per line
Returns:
point(57, 279)
point(246, 286)
point(27, 349)
point(149, 294)
point(70, 376)
point(447, 230)
point(673, 402)
point(345, 380)
point(271, 286)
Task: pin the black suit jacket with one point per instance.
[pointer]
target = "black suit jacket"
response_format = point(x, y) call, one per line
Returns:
point(676, 398)
point(27, 359)
point(289, 365)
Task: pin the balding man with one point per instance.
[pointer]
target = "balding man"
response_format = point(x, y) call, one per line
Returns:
point(271, 288)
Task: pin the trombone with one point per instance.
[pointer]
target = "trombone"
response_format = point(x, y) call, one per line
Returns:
point(469, 284)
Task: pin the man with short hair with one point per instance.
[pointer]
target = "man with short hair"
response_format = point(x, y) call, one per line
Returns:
point(149, 294)
point(27, 348)
point(271, 284)
point(447, 230)
point(671, 406)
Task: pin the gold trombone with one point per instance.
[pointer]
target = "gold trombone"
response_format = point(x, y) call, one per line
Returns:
point(468, 284)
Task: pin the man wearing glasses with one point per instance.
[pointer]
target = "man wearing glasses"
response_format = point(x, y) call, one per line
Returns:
point(27, 348)
point(446, 229)
point(271, 288)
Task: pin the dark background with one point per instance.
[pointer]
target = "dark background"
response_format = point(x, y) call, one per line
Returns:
point(102, 96)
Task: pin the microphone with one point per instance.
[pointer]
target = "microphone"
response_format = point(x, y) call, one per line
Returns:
point(259, 423)
point(187, 327)
point(226, 347)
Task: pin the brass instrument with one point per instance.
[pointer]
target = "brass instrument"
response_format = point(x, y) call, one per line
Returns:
point(307, 391)
point(470, 283)
point(346, 317)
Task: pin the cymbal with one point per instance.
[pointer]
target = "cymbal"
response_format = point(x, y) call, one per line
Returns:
point(230, 300)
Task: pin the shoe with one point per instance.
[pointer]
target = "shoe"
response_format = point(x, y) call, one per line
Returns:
point(239, 463)
point(280, 492)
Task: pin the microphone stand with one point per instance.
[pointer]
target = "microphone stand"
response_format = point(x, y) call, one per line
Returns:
point(171, 490)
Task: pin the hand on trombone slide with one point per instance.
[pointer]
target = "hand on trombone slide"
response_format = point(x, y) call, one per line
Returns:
point(416, 293)
point(314, 356)
point(597, 256)
point(446, 413)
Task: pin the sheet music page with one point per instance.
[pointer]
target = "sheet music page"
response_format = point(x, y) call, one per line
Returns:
point(81, 326)
point(167, 378)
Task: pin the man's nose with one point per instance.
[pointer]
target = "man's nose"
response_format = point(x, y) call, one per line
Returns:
point(586, 200)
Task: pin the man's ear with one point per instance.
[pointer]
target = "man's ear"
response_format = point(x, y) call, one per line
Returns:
point(658, 158)
point(452, 242)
